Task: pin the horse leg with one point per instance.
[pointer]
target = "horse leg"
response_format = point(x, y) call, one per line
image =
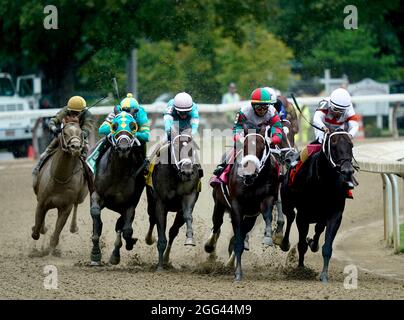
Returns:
point(290, 217)
point(175, 228)
point(39, 221)
point(188, 203)
point(127, 230)
point(330, 233)
point(73, 224)
point(313, 243)
point(95, 211)
point(217, 219)
point(161, 217)
point(266, 209)
point(239, 239)
point(151, 210)
point(280, 221)
point(303, 228)
point(115, 257)
point(63, 214)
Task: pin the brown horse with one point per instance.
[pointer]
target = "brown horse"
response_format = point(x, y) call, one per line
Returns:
point(252, 189)
point(61, 184)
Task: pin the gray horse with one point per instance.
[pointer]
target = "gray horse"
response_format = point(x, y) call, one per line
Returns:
point(61, 184)
point(174, 187)
point(119, 183)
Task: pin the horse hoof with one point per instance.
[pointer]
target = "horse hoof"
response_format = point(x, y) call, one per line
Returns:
point(285, 246)
point(190, 242)
point(246, 246)
point(56, 253)
point(160, 269)
point(209, 248)
point(313, 247)
point(35, 236)
point(267, 241)
point(114, 259)
point(130, 243)
point(43, 230)
point(150, 240)
point(237, 278)
point(323, 277)
point(74, 230)
point(96, 258)
point(277, 238)
point(95, 263)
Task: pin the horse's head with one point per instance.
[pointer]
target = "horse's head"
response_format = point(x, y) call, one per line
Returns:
point(255, 152)
point(287, 145)
point(337, 147)
point(122, 135)
point(183, 154)
point(72, 138)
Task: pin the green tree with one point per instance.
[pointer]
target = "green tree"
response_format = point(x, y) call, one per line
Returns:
point(262, 60)
point(354, 53)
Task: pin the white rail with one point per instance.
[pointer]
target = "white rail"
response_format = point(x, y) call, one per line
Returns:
point(386, 158)
point(208, 108)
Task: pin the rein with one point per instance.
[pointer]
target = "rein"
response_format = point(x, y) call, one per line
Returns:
point(327, 137)
point(179, 163)
point(267, 150)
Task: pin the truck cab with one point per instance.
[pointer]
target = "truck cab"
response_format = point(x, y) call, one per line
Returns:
point(16, 131)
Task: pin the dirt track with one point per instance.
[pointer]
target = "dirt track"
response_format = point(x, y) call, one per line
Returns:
point(267, 272)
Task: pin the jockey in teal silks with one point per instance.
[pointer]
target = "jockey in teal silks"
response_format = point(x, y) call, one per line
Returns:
point(181, 115)
point(131, 106)
point(181, 110)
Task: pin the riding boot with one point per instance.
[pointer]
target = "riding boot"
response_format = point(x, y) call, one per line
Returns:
point(49, 150)
point(219, 169)
point(39, 164)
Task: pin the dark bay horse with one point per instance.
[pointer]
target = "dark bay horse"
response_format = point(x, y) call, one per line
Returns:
point(252, 189)
point(318, 193)
point(61, 183)
point(119, 183)
point(176, 184)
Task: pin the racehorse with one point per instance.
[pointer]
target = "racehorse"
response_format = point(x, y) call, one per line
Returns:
point(252, 189)
point(175, 187)
point(119, 183)
point(61, 183)
point(318, 192)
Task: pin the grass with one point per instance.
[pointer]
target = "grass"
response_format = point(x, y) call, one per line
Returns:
point(402, 237)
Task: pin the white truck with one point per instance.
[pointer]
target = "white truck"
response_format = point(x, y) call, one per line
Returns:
point(16, 131)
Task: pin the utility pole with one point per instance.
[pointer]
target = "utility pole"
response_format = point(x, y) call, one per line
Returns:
point(131, 73)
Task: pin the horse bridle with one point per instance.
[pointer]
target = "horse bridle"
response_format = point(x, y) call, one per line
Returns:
point(181, 162)
point(132, 140)
point(267, 150)
point(64, 144)
point(327, 151)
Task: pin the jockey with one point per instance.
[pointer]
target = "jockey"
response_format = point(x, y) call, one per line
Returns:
point(334, 112)
point(75, 109)
point(182, 111)
point(261, 111)
point(130, 105)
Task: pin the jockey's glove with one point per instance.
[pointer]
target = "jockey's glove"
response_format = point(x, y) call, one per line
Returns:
point(55, 129)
